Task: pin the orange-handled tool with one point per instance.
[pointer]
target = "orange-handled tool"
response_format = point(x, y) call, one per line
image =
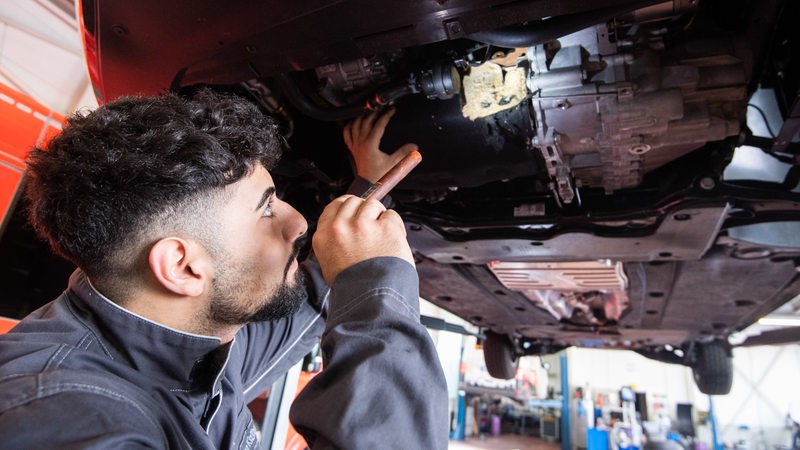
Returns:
point(389, 180)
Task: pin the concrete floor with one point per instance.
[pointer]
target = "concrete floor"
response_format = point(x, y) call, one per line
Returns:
point(505, 442)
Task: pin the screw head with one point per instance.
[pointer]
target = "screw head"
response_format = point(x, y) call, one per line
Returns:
point(707, 183)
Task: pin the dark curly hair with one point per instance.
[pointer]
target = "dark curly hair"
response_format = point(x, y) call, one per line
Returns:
point(115, 177)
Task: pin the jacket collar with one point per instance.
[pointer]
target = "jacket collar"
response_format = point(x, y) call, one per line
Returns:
point(192, 360)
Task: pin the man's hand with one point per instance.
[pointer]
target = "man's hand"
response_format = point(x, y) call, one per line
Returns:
point(351, 230)
point(363, 137)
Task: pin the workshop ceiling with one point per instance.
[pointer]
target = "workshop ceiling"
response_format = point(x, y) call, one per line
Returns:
point(41, 53)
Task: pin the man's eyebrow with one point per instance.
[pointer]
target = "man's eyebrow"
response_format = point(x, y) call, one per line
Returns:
point(267, 194)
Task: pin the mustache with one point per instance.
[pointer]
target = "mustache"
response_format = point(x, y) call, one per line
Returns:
point(298, 245)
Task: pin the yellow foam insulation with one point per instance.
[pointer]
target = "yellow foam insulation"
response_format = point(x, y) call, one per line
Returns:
point(487, 91)
point(512, 58)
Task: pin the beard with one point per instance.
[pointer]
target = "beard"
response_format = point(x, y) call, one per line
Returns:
point(235, 280)
point(284, 302)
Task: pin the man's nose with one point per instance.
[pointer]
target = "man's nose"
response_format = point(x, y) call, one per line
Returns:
point(294, 224)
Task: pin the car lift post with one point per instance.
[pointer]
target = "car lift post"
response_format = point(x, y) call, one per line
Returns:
point(458, 432)
point(713, 419)
point(566, 437)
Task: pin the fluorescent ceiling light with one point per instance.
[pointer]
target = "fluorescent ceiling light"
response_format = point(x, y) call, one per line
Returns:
point(782, 320)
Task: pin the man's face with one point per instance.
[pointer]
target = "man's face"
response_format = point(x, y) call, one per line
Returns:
point(256, 271)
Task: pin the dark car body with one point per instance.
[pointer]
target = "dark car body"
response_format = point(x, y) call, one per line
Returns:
point(583, 180)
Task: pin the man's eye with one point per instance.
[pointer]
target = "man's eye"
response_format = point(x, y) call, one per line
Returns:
point(268, 210)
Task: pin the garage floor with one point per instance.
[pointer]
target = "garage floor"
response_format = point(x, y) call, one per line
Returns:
point(505, 442)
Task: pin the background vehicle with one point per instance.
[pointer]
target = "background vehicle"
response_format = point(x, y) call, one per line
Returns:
point(582, 183)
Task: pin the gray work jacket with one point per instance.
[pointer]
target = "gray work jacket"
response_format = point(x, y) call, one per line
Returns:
point(82, 372)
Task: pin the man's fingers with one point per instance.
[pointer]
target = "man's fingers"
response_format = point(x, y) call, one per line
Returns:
point(359, 216)
point(332, 210)
point(372, 209)
point(367, 127)
point(355, 208)
point(401, 152)
point(394, 218)
point(379, 127)
point(349, 207)
point(368, 124)
point(357, 128)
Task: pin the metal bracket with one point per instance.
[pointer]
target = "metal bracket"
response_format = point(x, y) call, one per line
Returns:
point(562, 184)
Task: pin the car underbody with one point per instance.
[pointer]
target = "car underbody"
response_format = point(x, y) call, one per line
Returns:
point(577, 184)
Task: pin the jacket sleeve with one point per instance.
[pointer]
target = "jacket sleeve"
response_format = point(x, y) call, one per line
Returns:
point(78, 409)
point(271, 348)
point(382, 385)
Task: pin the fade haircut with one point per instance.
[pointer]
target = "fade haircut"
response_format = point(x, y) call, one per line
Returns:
point(103, 190)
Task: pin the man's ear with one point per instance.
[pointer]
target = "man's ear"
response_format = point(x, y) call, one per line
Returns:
point(180, 265)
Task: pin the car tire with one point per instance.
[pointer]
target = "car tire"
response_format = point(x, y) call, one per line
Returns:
point(498, 353)
point(713, 368)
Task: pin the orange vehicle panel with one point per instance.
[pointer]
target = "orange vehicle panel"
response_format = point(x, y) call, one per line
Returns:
point(24, 123)
point(7, 324)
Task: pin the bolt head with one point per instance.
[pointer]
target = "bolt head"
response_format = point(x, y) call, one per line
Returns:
point(707, 183)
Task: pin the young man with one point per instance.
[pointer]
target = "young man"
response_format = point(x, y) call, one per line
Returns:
point(189, 301)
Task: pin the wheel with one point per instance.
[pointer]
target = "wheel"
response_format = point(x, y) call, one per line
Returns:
point(713, 368)
point(498, 353)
